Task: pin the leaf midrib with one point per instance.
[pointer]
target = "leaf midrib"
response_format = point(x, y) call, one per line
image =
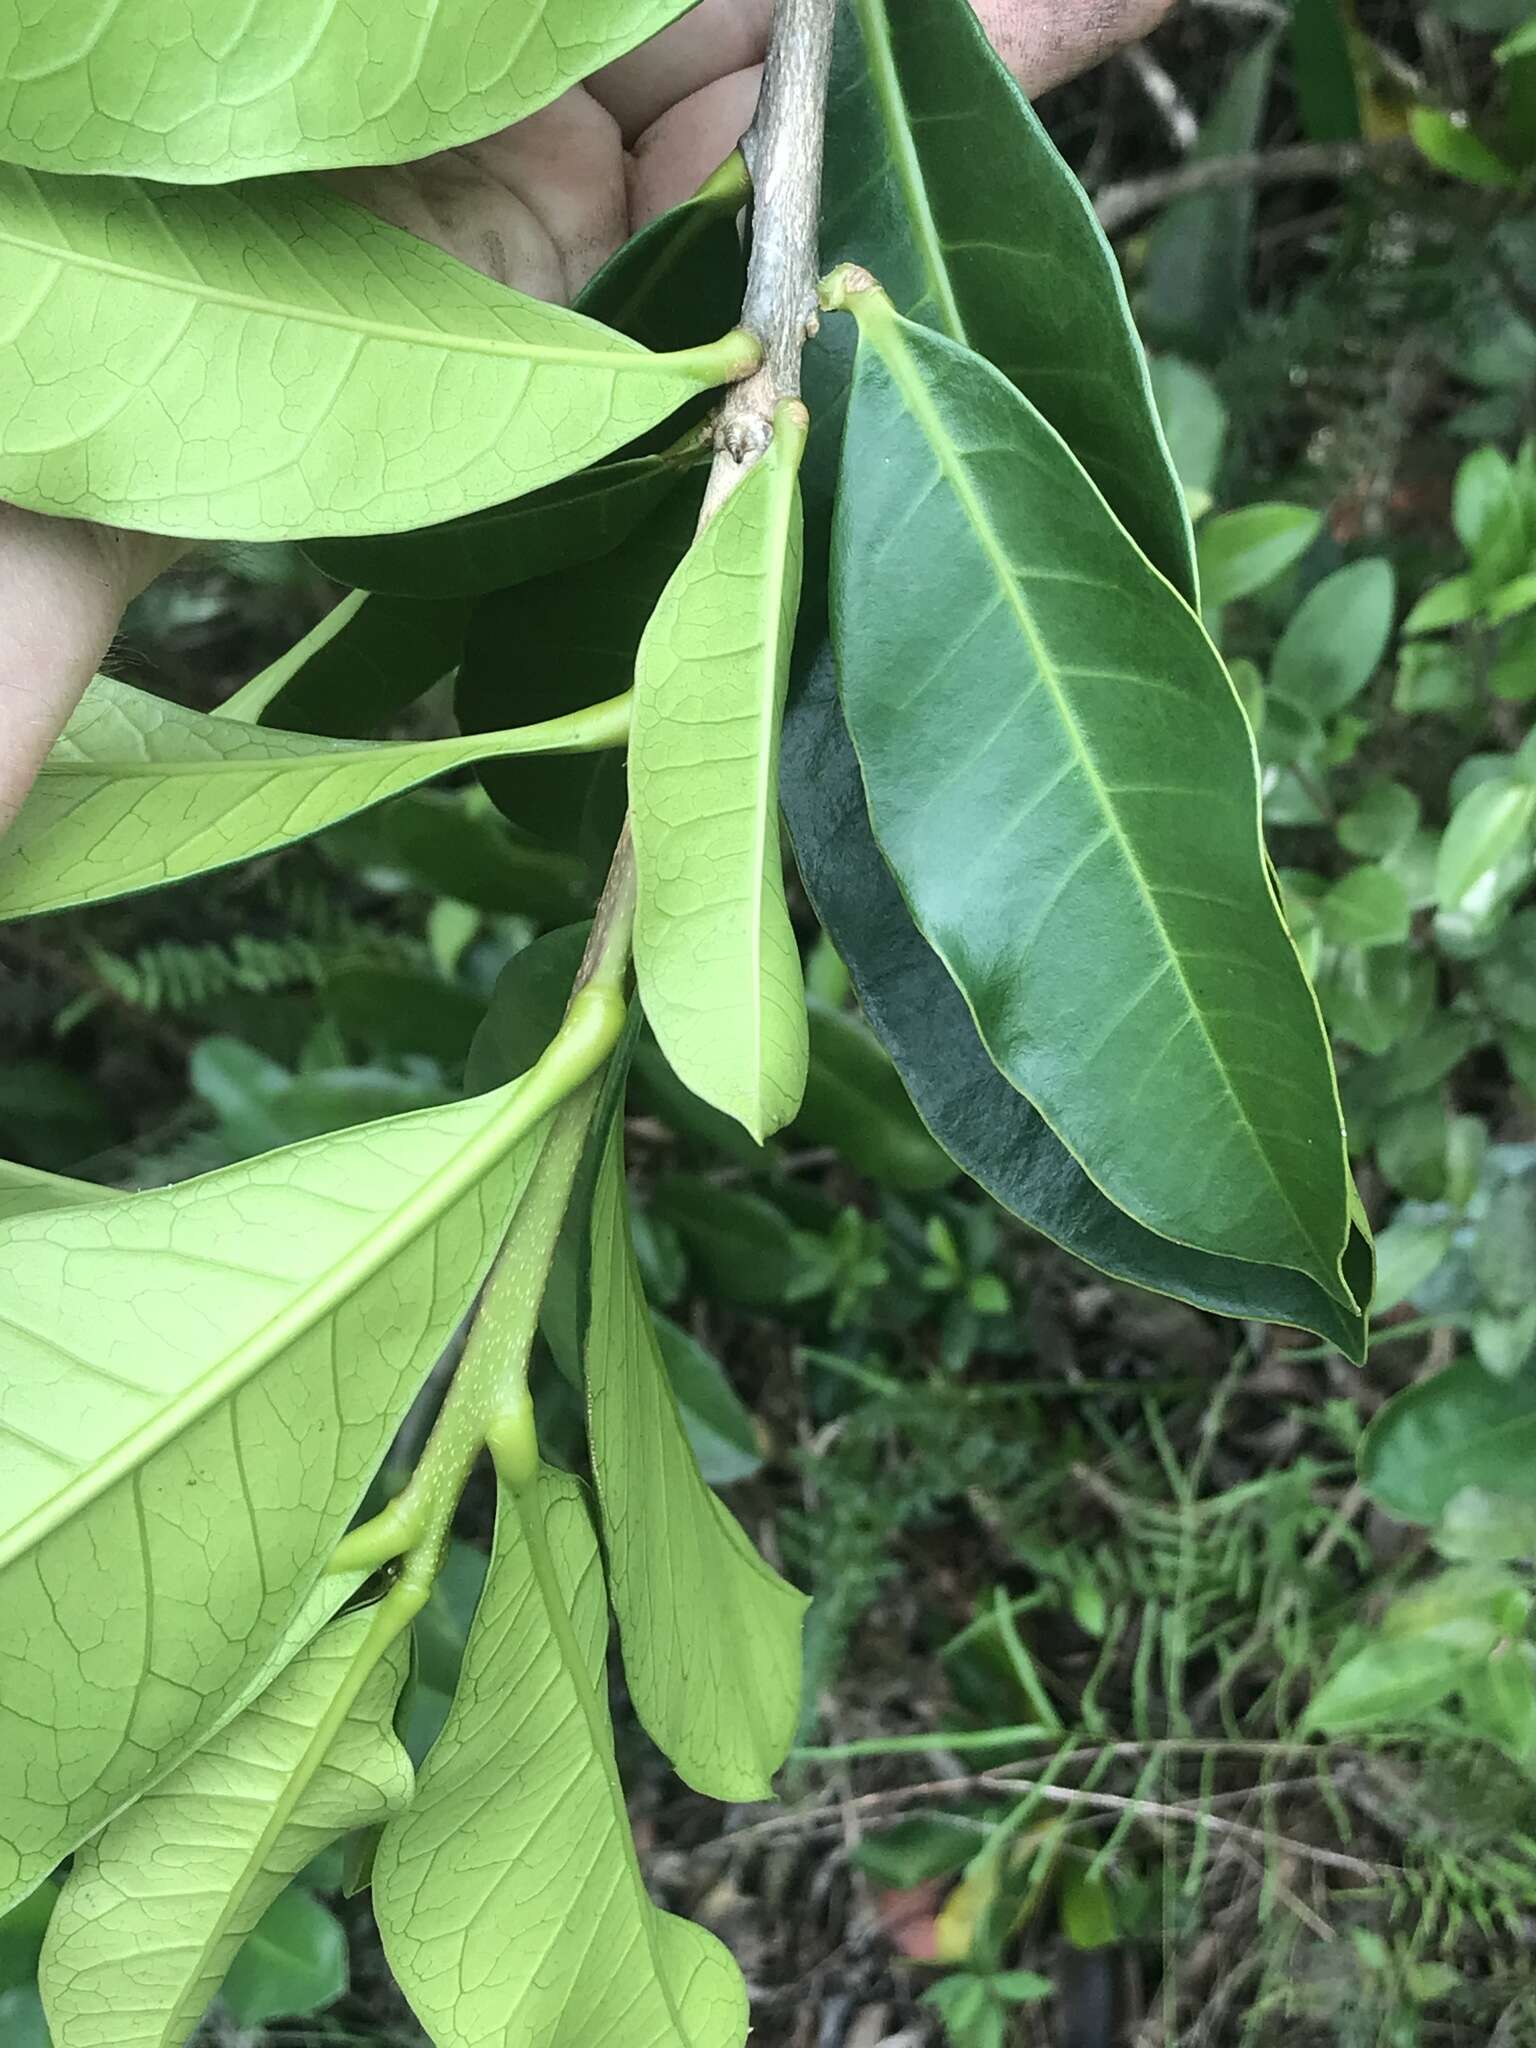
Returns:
point(915, 396)
point(886, 80)
point(617, 360)
point(323, 1294)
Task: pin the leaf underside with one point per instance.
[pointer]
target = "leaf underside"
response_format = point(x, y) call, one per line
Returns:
point(156, 1906)
point(508, 1894)
point(266, 362)
point(1062, 780)
point(200, 1383)
point(715, 953)
point(236, 91)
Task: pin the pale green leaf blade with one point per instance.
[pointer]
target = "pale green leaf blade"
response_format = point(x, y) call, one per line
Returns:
point(1459, 1428)
point(508, 1894)
point(235, 91)
point(266, 362)
point(711, 1635)
point(138, 792)
point(200, 1381)
point(715, 952)
point(1007, 257)
point(156, 1906)
point(1063, 782)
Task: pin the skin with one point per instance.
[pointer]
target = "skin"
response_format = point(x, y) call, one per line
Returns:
point(539, 207)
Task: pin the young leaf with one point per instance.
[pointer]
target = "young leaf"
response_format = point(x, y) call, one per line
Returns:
point(715, 953)
point(985, 1125)
point(1063, 782)
point(711, 1636)
point(156, 1905)
point(1335, 639)
point(1013, 263)
point(223, 94)
point(200, 1381)
point(508, 1893)
point(1240, 552)
point(138, 792)
point(365, 380)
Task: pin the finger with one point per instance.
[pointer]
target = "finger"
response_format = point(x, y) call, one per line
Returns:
point(705, 46)
point(1046, 42)
point(65, 583)
point(678, 152)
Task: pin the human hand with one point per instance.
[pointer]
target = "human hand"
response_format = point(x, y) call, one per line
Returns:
point(539, 206)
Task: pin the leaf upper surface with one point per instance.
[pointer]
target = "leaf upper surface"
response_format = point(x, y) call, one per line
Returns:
point(138, 792)
point(508, 1894)
point(1063, 782)
point(235, 90)
point(715, 953)
point(267, 362)
point(200, 1382)
point(920, 1016)
point(156, 1906)
point(711, 1635)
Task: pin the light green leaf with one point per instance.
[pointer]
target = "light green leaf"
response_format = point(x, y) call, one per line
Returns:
point(1012, 263)
point(1451, 146)
point(156, 1906)
point(266, 362)
point(1396, 1681)
point(1194, 422)
point(715, 953)
point(508, 1894)
point(1381, 821)
point(1488, 512)
point(138, 792)
point(1490, 824)
point(200, 1382)
point(1450, 603)
point(1052, 753)
point(1458, 1428)
point(711, 1636)
point(718, 1424)
point(293, 1963)
point(1367, 907)
point(1336, 637)
point(232, 92)
point(1240, 552)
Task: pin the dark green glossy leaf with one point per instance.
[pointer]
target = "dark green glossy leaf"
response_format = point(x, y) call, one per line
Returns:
point(294, 1963)
point(558, 642)
point(1062, 780)
point(680, 280)
point(365, 661)
point(855, 1101)
point(1461, 1427)
point(458, 848)
point(744, 1247)
point(526, 1006)
point(1006, 256)
point(986, 1126)
point(401, 1010)
point(1325, 77)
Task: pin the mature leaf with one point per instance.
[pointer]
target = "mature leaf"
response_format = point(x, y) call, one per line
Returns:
point(854, 1100)
point(222, 93)
point(715, 953)
point(548, 647)
point(1062, 780)
point(508, 1894)
point(268, 362)
point(1240, 552)
point(1367, 907)
point(293, 1963)
point(985, 1125)
point(711, 1636)
point(1490, 825)
point(719, 1427)
point(156, 1906)
point(365, 661)
point(1012, 262)
point(200, 1381)
point(452, 843)
point(1460, 1427)
point(744, 1247)
point(138, 792)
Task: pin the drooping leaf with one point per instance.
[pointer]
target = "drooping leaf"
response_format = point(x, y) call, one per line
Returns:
point(1062, 780)
point(266, 362)
point(1011, 262)
point(1335, 639)
point(1460, 1427)
point(711, 1636)
point(985, 1125)
point(231, 94)
point(138, 792)
point(715, 953)
point(156, 1905)
point(548, 647)
point(508, 1894)
point(294, 1962)
point(200, 1381)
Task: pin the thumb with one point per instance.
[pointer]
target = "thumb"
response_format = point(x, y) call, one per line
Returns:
point(66, 582)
